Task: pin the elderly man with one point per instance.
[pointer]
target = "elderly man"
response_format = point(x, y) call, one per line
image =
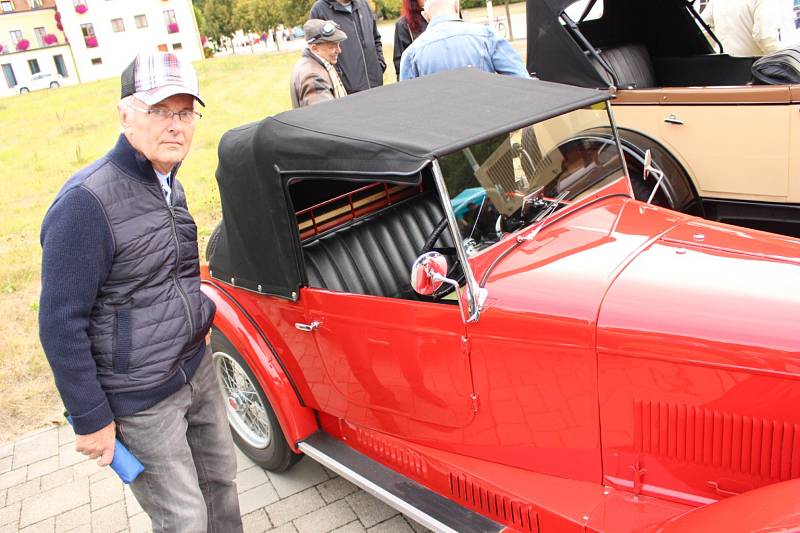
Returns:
point(121, 316)
point(314, 78)
point(449, 43)
point(362, 64)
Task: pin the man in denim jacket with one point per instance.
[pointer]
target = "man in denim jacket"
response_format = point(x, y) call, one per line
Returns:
point(450, 43)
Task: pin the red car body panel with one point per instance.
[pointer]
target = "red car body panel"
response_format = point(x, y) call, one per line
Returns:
point(237, 323)
point(597, 391)
point(706, 406)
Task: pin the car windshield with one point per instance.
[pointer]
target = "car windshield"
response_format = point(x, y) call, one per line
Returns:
point(519, 178)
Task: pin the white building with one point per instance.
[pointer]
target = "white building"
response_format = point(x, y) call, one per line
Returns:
point(31, 45)
point(105, 35)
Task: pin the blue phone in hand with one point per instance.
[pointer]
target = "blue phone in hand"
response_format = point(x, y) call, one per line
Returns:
point(124, 463)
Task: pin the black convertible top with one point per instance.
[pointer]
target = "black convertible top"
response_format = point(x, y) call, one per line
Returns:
point(667, 28)
point(386, 134)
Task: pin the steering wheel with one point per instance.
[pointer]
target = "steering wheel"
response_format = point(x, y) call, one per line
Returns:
point(455, 271)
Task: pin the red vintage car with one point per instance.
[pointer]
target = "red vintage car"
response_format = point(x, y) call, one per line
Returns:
point(444, 291)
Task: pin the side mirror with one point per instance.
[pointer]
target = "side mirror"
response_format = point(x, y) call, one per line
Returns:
point(428, 273)
point(650, 169)
point(648, 163)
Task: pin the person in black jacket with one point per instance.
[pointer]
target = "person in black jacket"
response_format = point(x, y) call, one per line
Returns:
point(361, 62)
point(407, 28)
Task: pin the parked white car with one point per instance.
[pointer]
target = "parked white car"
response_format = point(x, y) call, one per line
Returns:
point(42, 80)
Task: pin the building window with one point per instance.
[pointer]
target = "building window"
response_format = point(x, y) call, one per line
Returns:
point(61, 67)
point(7, 6)
point(88, 35)
point(117, 25)
point(16, 36)
point(35, 4)
point(8, 71)
point(33, 64)
point(40, 33)
point(177, 46)
point(141, 21)
point(97, 61)
point(171, 21)
point(162, 48)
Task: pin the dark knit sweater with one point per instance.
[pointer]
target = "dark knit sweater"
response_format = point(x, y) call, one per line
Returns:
point(78, 252)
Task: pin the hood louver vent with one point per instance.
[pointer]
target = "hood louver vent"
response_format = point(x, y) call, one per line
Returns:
point(521, 516)
point(750, 445)
point(404, 459)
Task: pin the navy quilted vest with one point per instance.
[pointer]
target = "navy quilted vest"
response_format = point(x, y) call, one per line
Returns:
point(149, 316)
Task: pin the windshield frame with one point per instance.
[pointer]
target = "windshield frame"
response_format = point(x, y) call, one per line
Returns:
point(476, 294)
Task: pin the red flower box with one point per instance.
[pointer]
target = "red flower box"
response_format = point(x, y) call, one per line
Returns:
point(91, 42)
point(2, 48)
point(172, 27)
point(23, 44)
point(50, 39)
point(81, 9)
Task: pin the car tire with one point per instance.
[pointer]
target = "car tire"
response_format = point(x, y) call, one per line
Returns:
point(252, 420)
point(54, 85)
point(23, 90)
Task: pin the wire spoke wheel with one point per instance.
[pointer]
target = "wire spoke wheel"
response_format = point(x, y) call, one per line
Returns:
point(246, 412)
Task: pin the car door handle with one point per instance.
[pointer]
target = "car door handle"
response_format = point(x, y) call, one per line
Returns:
point(308, 327)
point(672, 119)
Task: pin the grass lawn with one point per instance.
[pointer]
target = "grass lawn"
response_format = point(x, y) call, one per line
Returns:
point(46, 137)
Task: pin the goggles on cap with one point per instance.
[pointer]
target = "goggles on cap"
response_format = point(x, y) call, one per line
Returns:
point(328, 29)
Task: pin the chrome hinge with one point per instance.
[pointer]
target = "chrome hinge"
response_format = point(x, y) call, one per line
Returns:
point(475, 402)
point(638, 477)
point(465, 346)
point(308, 327)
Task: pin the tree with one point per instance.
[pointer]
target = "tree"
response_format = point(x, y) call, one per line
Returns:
point(219, 19)
point(201, 20)
point(294, 12)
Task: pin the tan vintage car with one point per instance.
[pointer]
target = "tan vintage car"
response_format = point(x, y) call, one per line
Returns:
point(728, 145)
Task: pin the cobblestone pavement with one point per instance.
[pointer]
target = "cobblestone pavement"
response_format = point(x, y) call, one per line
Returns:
point(46, 487)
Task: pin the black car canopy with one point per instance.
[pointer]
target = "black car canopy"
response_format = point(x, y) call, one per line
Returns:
point(667, 28)
point(386, 134)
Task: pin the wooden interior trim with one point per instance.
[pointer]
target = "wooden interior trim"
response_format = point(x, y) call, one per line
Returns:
point(747, 94)
point(336, 216)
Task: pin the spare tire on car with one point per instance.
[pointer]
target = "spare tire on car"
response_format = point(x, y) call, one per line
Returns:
point(782, 67)
point(212, 240)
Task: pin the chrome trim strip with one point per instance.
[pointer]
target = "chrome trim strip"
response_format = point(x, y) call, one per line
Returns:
point(475, 295)
point(396, 490)
point(685, 496)
point(617, 139)
point(374, 489)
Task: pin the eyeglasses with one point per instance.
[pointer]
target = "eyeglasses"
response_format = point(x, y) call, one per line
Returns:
point(161, 114)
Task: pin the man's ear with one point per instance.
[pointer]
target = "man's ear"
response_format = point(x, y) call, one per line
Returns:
point(125, 116)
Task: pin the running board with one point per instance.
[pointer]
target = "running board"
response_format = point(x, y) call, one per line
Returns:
point(396, 490)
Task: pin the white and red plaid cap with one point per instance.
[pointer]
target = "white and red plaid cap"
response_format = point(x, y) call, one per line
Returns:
point(152, 77)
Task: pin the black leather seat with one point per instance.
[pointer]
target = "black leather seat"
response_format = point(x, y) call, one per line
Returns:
point(631, 64)
point(374, 255)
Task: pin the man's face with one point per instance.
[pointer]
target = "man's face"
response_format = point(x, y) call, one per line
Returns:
point(327, 51)
point(165, 142)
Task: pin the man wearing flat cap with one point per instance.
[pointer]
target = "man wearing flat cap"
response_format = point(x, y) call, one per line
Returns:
point(122, 319)
point(314, 78)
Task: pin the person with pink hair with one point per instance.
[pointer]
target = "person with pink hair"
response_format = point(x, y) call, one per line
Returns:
point(407, 28)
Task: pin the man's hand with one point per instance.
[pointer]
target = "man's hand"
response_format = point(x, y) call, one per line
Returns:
point(98, 444)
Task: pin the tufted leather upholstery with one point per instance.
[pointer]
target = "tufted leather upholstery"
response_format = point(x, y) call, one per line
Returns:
point(632, 65)
point(374, 255)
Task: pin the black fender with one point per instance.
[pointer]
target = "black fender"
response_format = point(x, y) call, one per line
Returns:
point(680, 194)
